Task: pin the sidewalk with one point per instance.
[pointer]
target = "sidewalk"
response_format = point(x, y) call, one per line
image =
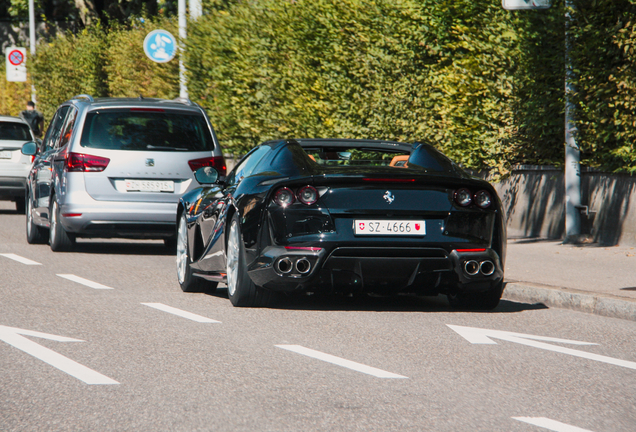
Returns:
point(586, 278)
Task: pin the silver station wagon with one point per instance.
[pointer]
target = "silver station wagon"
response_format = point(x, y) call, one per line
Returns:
point(111, 167)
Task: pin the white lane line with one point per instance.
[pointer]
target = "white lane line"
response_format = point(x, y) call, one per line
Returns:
point(15, 337)
point(83, 281)
point(340, 361)
point(181, 313)
point(20, 259)
point(552, 425)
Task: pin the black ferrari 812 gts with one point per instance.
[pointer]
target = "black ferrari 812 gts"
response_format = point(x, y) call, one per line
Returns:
point(347, 216)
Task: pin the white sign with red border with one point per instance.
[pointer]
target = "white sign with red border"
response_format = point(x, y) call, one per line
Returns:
point(16, 64)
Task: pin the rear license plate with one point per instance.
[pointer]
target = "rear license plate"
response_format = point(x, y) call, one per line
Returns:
point(390, 227)
point(5, 154)
point(149, 186)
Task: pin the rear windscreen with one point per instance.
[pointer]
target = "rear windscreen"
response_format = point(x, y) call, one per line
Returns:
point(343, 156)
point(146, 130)
point(14, 131)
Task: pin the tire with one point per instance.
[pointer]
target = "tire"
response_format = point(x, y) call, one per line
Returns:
point(34, 233)
point(187, 280)
point(240, 288)
point(477, 301)
point(19, 205)
point(59, 239)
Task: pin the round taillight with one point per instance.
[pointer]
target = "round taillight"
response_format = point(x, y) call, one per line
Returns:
point(307, 195)
point(483, 199)
point(284, 197)
point(463, 197)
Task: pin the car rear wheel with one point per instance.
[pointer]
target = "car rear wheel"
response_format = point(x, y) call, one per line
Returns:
point(59, 239)
point(240, 288)
point(187, 280)
point(34, 233)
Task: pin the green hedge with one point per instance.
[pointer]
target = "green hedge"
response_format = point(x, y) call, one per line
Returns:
point(453, 73)
point(103, 62)
point(483, 84)
point(13, 95)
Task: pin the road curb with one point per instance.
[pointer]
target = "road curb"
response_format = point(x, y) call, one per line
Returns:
point(566, 298)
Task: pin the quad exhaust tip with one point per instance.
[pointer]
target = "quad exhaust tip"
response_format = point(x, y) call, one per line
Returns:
point(303, 266)
point(487, 268)
point(284, 265)
point(471, 267)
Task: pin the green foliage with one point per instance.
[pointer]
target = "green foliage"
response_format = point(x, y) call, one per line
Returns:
point(484, 85)
point(103, 62)
point(445, 71)
point(604, 60)
point(13, 95)
point(69, 65)
point(130, 72)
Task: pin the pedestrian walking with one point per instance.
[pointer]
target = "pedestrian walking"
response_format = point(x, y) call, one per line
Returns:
point(34, 118)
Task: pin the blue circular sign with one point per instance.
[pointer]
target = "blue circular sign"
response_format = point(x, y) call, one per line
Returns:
point(160, 46)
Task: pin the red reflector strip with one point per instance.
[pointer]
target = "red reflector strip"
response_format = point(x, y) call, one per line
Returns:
point(71, 214)
point(148, 109)
point(312, 249)
point(471, 250)
point(389, 180)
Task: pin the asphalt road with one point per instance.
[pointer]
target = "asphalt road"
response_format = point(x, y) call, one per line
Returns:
point(305, 364)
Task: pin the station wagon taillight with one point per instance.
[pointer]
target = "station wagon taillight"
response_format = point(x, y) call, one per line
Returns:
point(217, 162)
point(77, 162)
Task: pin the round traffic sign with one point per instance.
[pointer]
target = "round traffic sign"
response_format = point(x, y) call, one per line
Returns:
point(16, 58)
point(160, 46)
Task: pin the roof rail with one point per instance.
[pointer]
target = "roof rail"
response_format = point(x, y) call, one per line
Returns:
point(84, 96)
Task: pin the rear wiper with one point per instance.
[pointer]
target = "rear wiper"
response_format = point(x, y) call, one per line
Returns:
point(151, 147)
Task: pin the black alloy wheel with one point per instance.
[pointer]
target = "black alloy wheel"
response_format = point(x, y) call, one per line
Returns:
point(34, 233)
point(59, 239)
point(240, 288)
point(187, 280)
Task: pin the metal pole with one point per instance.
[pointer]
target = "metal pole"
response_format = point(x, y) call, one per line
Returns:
point(183, 89)
point(572, 152)
point(196, 10)
point(32, 42)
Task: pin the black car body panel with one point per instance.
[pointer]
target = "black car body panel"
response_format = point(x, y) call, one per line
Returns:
point(314, 247)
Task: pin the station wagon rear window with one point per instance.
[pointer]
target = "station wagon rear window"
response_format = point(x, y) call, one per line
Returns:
point(150, 130)
point(14, 131)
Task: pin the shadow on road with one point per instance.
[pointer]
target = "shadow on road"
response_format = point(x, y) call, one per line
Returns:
point(369, 303)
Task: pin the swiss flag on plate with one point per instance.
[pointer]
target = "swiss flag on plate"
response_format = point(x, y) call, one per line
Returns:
point(417, 227)
point(361, 226)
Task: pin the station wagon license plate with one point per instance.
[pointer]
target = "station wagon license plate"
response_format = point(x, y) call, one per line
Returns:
point(149, 185)
point(5, 155)
point(390, 227)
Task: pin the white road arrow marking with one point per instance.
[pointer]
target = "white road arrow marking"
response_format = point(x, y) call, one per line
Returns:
point(482, 336)
point(552, 425)
point(15, 337)
point(340, 361)
point(20, 259)
point(181, 313)
point(83, 281)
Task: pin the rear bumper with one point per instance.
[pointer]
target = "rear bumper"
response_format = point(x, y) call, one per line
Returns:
point(119, 219)
point(424, 271)
point(12, 187)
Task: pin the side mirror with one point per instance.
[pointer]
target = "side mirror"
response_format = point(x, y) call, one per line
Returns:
point(30, 148)
point(206, 175)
